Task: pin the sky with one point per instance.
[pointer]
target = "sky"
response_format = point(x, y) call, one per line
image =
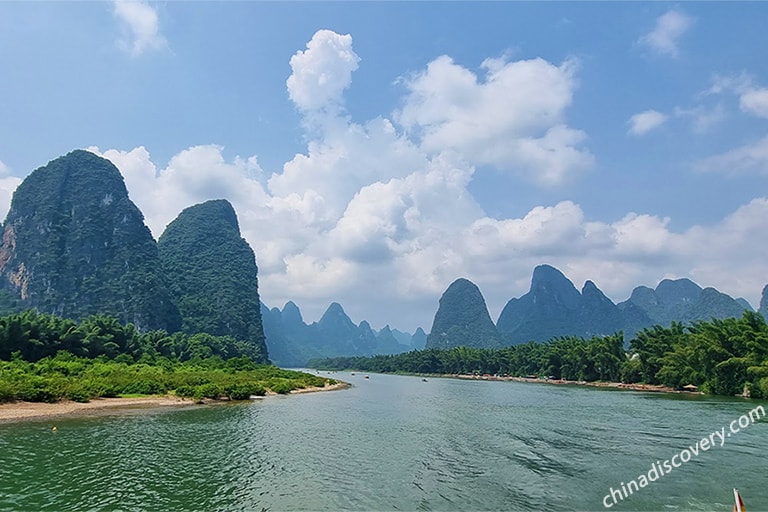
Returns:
point(377, 151)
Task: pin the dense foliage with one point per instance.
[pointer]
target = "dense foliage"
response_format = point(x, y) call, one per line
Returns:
point(36, 335)
point(47, 358)
point(212, 274)
point(66, 376)
point(74, 244)
point(721, 357)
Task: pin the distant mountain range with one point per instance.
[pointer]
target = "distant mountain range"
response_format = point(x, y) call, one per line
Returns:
point(553, 307)
point(75, 245)
point(292, 342)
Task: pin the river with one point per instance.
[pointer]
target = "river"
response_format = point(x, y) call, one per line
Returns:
point(392, 443)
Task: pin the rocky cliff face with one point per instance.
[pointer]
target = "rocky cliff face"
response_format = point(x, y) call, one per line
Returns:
point(74, 245)
point(462, 319)
point(764, 302)
point(212, 273)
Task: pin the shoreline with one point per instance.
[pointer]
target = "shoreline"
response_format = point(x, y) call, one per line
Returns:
point(11, 412)
point(652, 388)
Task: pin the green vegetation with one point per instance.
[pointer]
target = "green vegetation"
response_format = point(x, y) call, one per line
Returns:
point(212, 274)
point(80, 379)
point(44, 358)
point(721, 357)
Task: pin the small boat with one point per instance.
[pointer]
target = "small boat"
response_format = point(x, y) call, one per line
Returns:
point(366, 376)
point(423, 380)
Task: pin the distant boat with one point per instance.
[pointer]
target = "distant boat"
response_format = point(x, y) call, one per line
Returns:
point(423, 380)
point(366, 376)
point(353, 374)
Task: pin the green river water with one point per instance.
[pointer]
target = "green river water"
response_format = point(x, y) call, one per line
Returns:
point(391, 443)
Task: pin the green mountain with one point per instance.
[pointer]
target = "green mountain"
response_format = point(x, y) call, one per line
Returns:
point(462, 319)
point(764, 302)
point(554, 307)
point(75, 245)
point(212, 273)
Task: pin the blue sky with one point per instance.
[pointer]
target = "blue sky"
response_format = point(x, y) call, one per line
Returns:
point(375, 152)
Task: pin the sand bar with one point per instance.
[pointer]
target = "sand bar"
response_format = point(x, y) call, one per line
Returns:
point(20, 411)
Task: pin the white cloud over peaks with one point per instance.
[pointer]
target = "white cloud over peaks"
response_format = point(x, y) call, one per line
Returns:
point(664, 37)
point(343, 158)
point(141, 21)
point(512, 118)
point(322, 71)
point(644, 122)
point(197, 174)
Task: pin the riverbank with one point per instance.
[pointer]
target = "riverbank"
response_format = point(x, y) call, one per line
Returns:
point(21, 411)
point(614, 385)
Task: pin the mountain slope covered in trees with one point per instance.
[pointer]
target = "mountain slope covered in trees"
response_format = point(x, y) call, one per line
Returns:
point(212, 274)
point(74, 245)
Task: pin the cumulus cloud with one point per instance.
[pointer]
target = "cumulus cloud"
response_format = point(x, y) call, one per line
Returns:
point(513, 117)
point(644, 122)
point(141, 23)
point(378, 215)
point(665, 36)
point(322, 71)
point(749, 158)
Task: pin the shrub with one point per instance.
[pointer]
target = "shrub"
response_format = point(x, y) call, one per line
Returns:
point(185, 391)
point(243, 391)
point(280, 387)
point(209, 390)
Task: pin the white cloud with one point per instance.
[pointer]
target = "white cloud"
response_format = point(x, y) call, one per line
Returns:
point(141, 21)
point(664, 38)
point(703, 118)
point(755, 102)
point(753, 99)
point(322, 71)
point(749, 158)
point(512, 118)
point(644, 122)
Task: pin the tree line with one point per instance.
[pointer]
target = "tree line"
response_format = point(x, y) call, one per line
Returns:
point(45, 358)
point(35, 335)
point(720, 357)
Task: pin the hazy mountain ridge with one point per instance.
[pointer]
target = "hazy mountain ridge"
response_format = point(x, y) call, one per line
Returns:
point(553, 307)
point(292, 342)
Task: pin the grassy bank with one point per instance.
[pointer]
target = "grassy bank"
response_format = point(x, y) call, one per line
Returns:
point(67, 377)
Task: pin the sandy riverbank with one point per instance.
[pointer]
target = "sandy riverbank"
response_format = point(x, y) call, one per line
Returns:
point(17, 411)
point(614, 385)
point(20, 411)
